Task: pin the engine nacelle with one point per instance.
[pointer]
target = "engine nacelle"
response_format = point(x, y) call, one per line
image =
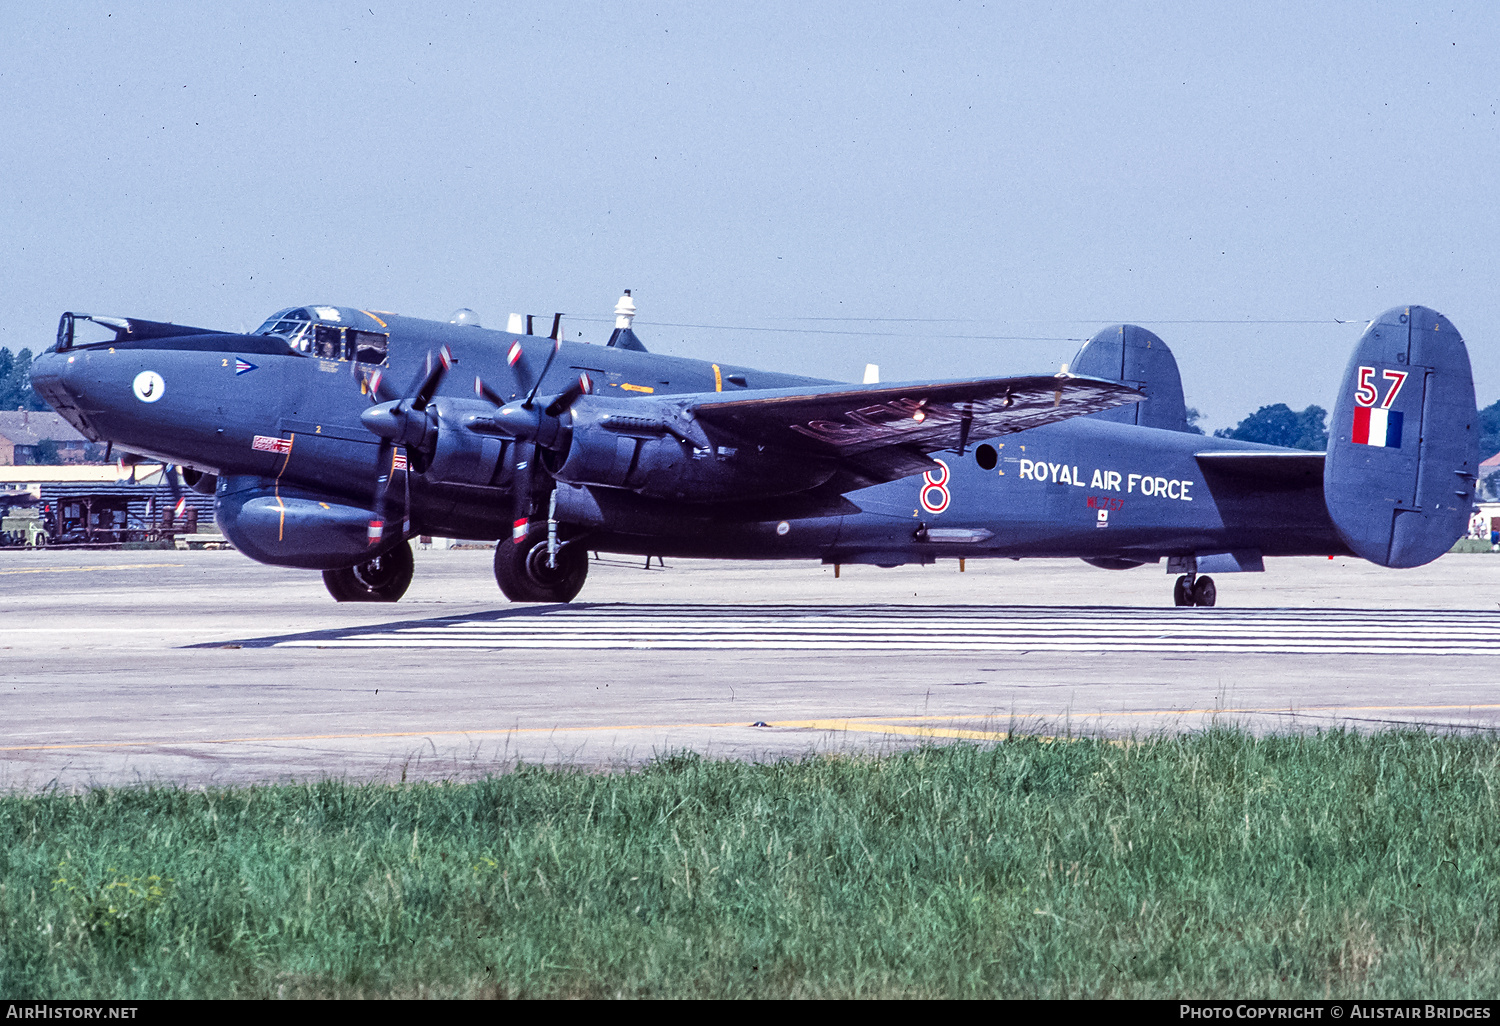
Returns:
point(463, 456)
point(656, 449)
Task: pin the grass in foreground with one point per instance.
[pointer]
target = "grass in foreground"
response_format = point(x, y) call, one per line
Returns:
point(1214, 864)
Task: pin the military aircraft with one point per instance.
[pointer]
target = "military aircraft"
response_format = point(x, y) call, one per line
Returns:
point(555, 449)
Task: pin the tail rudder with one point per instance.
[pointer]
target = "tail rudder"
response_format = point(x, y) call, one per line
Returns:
point(1400, 472)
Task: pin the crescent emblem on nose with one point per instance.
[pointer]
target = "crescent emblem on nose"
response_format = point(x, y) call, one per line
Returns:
point(149, 386)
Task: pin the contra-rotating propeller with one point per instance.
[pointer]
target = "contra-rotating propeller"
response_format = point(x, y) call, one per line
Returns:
point(532, 426)
point(401, 421)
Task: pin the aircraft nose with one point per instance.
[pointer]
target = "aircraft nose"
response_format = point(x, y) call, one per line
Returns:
point(53, 379)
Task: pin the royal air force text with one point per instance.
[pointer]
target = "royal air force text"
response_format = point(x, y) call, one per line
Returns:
point(1107, 480)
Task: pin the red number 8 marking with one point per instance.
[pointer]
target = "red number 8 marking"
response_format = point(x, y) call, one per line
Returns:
point(934, 496)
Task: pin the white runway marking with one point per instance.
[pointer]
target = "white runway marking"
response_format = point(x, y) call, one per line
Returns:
point(943, 628)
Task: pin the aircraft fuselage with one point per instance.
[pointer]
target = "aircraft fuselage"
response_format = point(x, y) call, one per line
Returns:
point(245, 406)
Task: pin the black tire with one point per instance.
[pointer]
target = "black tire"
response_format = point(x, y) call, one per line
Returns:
point(1182, 591)
point(383, 579)
point(523, 574)
point(1204, 592)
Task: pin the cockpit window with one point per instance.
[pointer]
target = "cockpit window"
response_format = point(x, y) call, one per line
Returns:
point(316, 337)
point(367, 346)
point(291, 325)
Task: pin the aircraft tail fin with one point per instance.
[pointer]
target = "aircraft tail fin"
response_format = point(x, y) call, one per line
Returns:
point(1128, 353)
point(1402, 458)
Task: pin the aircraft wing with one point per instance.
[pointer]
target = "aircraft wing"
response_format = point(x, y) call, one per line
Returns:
point(885, 431)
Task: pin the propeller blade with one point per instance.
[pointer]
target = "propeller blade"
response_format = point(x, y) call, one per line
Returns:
point(516, 359)
point(169, 477)
point(384, 458)
point(487, 393)
point(406, 494)
point(564, 402)
point(434, 378)
point(520, 487)
point(556, 348)
point(379, 389)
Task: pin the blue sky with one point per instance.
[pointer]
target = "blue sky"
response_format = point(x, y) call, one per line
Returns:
point(943, 189)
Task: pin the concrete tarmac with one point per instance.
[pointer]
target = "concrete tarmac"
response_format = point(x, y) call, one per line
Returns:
point(205, 668)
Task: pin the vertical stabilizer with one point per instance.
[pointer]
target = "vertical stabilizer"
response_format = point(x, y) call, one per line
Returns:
point(1400, 472)
point(1129, 353)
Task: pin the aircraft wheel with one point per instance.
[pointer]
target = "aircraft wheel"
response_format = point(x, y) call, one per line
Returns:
point(1182, 591)
point(383, 579)
point(1204, 592)
point(524, 576)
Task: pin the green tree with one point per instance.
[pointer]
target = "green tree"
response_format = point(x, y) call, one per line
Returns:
point(15, 382)
point(1278, 424)
point(1489, 430)
point(46, 453)
point(1193, 416)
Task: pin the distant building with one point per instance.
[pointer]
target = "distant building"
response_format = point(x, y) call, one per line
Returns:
point(139, 488)
point(1487, 469)
point(22, 430)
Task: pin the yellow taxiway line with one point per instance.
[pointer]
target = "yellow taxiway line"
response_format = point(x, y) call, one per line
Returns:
point(901, 726)
point(357, 737)
point(871, 727)
point(80, 569)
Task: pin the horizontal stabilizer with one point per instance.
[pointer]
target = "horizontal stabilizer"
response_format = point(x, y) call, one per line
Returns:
point(1297, 469)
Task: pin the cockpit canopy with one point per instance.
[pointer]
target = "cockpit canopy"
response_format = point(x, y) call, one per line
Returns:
point(329, 333)
point(324, 332)
point(291, 323)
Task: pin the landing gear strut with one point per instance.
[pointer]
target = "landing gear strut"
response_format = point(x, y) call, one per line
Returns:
point(383, 579)
point(1192, 590)
point(524, 574)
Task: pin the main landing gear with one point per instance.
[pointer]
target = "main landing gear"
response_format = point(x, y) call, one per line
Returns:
point(383, 579)
point(1191, 590)
point(523, 573)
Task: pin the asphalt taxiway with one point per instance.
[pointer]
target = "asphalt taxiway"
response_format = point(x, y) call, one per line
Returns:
point(204, 667)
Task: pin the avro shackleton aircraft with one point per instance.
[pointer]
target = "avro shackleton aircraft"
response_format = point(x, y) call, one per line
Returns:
point(556, 449)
